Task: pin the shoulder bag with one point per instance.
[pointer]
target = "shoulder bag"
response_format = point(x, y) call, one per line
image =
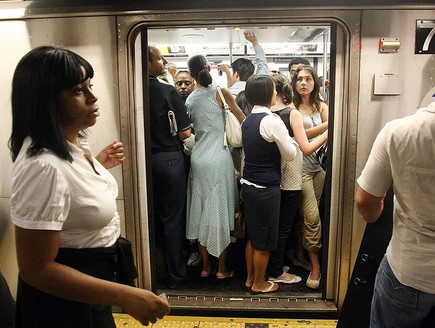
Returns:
point(233, 129)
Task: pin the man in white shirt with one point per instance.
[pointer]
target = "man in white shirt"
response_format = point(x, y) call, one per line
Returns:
point(403, 156)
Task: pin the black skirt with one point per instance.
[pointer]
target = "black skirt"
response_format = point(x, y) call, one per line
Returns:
point(36, 309)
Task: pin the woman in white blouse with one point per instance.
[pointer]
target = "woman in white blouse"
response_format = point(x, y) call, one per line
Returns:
point(63, 201)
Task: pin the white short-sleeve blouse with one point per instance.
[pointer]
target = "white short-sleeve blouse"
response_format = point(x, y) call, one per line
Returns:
point(49, 193)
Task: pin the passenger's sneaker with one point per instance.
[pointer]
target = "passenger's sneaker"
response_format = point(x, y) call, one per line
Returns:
point(194, 260)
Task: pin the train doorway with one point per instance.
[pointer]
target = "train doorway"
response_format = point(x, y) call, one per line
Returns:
point(326, 44)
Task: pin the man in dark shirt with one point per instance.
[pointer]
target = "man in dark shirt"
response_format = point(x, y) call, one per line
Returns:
point(168, 171)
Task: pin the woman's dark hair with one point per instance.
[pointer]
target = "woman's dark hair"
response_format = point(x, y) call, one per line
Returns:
point(243, 103)
point(198, 68)
point(283, 88)
point(39, 78)
point(314, 96)
point(259, 90)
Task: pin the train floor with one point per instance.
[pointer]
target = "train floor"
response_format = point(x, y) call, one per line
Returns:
point(196, 285)
point(228, 297)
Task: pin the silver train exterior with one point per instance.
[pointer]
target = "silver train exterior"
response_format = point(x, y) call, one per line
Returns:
point(108, 36)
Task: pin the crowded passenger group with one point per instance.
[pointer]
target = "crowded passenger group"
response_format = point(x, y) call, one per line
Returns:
point(200, 181)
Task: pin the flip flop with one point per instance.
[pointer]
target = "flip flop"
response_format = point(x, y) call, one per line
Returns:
point(267, 290)
point(230, 275)
point(294, 279)
point(247, 289)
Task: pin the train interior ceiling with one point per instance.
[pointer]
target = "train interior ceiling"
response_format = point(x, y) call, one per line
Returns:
point(224, 44)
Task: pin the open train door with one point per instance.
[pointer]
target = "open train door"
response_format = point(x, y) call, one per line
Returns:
point(204, 297)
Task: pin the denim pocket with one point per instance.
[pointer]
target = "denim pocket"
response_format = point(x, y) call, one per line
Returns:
point(395, 291)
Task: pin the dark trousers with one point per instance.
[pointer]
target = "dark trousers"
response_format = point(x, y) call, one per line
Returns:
point(7, 304)
point(287, 214)
point(169, 187)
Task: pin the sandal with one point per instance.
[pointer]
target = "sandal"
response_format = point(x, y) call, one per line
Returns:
point(270, 289)
point(221, 276)
point(286, 278)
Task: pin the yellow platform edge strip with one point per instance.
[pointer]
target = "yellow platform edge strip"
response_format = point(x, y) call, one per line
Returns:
point(124, 320)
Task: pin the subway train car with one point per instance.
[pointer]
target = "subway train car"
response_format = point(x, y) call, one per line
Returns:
point(379, 60)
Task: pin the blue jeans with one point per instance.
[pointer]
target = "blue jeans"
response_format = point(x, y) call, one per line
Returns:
point(396, 305)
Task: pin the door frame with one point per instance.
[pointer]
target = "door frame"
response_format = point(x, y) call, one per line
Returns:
point(344, 133)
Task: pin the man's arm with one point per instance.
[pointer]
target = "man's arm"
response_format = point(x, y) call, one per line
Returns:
point(260, 56)
point(184, 134)
point(183, 120)
point(370, 207)
point(375, 180)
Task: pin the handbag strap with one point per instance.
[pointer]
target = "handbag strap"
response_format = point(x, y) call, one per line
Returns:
point(226, 107)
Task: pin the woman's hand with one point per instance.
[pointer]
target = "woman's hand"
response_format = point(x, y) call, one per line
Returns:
point(112, 155)
point(145, 306)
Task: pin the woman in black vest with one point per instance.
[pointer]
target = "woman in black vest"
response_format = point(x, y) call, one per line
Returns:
point(265, 141)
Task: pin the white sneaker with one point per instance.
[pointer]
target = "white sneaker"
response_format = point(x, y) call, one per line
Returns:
point(194, 260)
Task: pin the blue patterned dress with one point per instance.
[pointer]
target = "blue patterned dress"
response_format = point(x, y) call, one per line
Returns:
point(212, 189)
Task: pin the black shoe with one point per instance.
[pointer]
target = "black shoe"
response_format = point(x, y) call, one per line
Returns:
point(177, 284)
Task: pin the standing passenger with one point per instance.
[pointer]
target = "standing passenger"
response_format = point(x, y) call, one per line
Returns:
point(243, 103)
point(63, 201)
point(291, 176)
point(243, 68)
point(315, 117)
point(212, 189)
point(184, 83)
point(403, 157)
point(265, 141)
point(294, 64)
point(168, 167)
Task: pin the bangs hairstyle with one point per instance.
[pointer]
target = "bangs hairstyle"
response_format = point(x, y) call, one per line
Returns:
point(198, 68)
point(315, 94)
point(283, 88)
point(259, 90)
point(39, 78)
